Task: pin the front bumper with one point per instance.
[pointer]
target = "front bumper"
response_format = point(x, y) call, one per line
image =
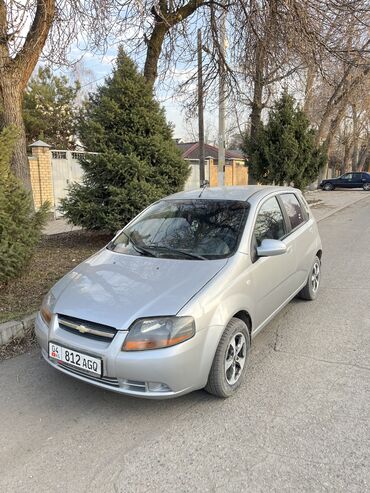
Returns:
point(181, 368)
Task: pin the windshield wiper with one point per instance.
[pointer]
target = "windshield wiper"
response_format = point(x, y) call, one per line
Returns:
point(139, 249)
point(177, 251)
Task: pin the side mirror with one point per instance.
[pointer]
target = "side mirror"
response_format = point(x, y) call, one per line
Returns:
point(271, 248)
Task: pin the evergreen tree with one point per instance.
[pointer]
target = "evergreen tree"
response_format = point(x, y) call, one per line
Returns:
point(284, 151)
point(137, 161)
point(20, 227)
point(49, 109)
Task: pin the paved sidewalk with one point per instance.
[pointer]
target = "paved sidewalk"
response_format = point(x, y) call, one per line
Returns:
point(57, 226)
point(330, 202)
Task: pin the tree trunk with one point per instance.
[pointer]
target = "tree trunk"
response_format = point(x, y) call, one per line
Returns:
point(153, 53)
point(355, 138)
point(363, 157)
point(346, 157)
point(165, 18)
point(12, 97)
point(309, 93)
point(334, 125)
point(15, 72)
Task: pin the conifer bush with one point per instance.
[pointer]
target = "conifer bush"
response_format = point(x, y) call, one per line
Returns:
point(284, 151)
point(137, 161)
point(20, 226)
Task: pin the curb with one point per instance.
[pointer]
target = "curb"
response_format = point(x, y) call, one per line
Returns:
point(15, 329)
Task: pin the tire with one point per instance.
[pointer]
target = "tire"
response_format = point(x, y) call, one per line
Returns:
point(228, 370)
point(310, 291)
point(366, 186)
point(328, 187)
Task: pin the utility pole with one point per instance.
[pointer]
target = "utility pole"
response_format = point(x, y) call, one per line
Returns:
point(200, 110)
point(221, 104)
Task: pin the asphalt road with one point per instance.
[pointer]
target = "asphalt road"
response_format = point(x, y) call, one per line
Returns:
point(301, 422)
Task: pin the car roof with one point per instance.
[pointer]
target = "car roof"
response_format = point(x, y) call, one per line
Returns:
point(228, 193)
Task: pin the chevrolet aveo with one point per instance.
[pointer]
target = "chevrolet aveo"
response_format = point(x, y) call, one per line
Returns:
point(172, 303)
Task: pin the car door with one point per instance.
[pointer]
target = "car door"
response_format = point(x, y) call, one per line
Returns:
point(356, 180)
point(345, 180)
point(365, 178)
point(301, 236)
point(270, 276)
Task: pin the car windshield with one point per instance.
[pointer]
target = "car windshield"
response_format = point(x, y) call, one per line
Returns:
point(187, 229)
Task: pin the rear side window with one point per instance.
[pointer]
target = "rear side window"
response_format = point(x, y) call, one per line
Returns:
point(293, 209)
point(269, 222)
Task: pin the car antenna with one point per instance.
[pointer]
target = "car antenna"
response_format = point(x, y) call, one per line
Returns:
point(204, 186)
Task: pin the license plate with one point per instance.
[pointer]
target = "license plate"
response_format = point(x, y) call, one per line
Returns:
point(82, 361)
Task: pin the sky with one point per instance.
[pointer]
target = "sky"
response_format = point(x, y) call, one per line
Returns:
point(95, 68)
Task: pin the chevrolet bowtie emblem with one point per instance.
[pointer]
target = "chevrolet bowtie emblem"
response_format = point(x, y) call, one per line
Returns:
point(82, 329)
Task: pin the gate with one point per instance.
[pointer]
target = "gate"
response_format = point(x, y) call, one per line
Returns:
point(66, 169)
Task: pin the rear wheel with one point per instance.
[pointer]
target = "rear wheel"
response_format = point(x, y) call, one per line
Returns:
point(230, 361)
point(328, 187)
point(366, 187)
point(310, 291)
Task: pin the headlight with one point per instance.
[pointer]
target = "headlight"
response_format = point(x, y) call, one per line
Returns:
point(47, 306)
point(155, 333)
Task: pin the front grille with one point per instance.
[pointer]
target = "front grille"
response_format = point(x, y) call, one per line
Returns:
point(113, 382)
point(84, 328)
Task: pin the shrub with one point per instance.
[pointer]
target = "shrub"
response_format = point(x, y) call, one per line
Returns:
point(284, 150)
point(137, 161)
point(20, 226)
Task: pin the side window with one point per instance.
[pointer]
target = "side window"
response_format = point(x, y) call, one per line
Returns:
point(347, 176)
point(293, 209)
point(269, 223)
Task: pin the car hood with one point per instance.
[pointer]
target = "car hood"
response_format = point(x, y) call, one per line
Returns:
point(115, 289)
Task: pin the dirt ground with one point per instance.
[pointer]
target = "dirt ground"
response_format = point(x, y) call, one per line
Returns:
point(55, 255)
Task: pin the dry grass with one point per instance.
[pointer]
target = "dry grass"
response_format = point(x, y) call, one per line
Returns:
point(56, 255)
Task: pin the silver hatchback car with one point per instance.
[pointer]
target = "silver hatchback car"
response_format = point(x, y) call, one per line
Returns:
point(172, 303)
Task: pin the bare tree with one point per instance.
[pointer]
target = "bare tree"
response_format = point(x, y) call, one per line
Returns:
point(29, 28)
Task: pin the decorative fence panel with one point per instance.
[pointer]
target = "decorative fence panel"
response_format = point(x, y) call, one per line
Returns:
point(52, 171)
point(66, 169)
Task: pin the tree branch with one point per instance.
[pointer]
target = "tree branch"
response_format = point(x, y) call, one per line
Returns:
point(25, 61)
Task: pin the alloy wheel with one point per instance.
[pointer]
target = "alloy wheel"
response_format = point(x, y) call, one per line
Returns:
point(235, 358)
point(315, 277)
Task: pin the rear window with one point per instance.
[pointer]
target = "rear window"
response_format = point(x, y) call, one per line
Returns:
point(293, 209)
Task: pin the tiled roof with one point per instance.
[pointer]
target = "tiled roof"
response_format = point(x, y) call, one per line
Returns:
point(190, 150)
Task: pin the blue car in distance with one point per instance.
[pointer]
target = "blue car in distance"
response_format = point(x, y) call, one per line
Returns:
point(348, 180)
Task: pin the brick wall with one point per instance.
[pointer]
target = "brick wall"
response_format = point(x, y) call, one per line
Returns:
point(41, 175)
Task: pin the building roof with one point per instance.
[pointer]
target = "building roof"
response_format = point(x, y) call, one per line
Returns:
point(227, 193)
point(39, 143)
point(190, 150)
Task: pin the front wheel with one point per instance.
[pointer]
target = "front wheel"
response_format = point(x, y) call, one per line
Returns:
point(366, 187)
point(230, 361)
point(310, 291)
point(328, 187)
